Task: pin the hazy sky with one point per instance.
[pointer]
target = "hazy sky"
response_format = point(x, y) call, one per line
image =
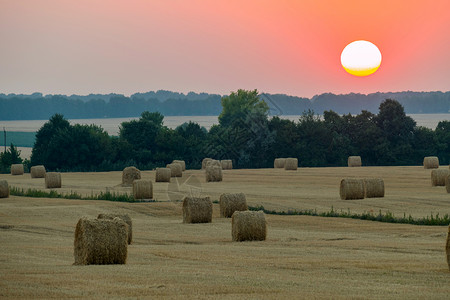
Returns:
point(292, 47)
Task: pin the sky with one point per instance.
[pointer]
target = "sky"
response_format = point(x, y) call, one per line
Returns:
point(280, 46)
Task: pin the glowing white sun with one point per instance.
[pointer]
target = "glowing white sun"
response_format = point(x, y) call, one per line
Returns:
point(361, 58)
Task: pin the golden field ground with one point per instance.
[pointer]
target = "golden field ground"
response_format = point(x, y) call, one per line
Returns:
point(303, 256)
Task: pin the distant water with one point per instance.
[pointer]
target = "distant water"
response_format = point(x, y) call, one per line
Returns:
point(112, 125)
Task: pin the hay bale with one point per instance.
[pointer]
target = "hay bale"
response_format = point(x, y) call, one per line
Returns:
point(142, 189)
point(100, 242)
point(248, 226)
point(175, 170)
point(431, 162)
point(17, 169)
point(351, 188)
point(279, 163)
point(163, 175)
point(52, 180)
point(182, 163)
point(447, 248)
point(447, 183)
point(373, 187)
point(4, 189)
point(213, 173)
point(129, 174)
point(213, 162)
point(37, 171)
point(354, 161)
point(438, 177)
point(197, 210)
point(227, 164)
point(291, 163)
point(126, 218)
point(205, 161)
point(229, 203)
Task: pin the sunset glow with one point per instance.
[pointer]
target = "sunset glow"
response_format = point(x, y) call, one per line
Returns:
point(291, 47)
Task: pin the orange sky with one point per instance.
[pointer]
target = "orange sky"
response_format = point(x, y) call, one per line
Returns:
point(285, 46)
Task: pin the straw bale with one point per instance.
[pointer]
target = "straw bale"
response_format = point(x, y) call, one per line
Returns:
point(52, 180)
point(17, 169)
point(197, 210)
point(438, 177)
point(447, 183)
point(227, 164)
point(182, 163)
point(129, 174)
point(205, 161)
point(291, 164)
point(351, 188)
point(248, 226)
point(431, 162)
point(175, 170)
point(373, 187)
point(124, 217)
point(100, 242)
point(229, 203)
point(37, 171)
point(279, 163)
point(213, 162)
point(447, 248)
point(354, 161)
point(142, 189)
point(4, 189)
point(213, 173)
point(163, 175)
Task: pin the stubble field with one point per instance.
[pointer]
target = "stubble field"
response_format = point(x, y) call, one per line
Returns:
point(303, 256)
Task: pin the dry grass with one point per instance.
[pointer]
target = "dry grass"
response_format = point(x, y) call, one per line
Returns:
point(279, 163)
point(126, 218)
point(351, 188)
point(4, 189)
point(373, 187)
point(302, 257)
point(163, 175)
point(197, 210)
point(17, 169)
point(248, 226)
point(229, 203)
point(438, 177)
point(354, 161)
point(431, 162)
point(142, 189)
point(176, 170)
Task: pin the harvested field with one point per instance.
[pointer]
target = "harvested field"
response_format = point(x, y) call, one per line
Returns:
point(306, 257)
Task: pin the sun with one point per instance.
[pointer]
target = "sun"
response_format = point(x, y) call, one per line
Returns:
point(361, 58)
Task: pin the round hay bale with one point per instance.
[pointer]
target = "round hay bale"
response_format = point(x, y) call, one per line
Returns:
point(175, 170)
point(126, 218)
point(354, 161)
point(227, 164)
point(163, 174)
point(213, 162)
point(373, 187)
point(351, 188)
point(17, 169)
point(100, 242)
point(248, 226)
point(279, 163)
point(447, 183)
point(182, 163)
point(291, 163)
point(197, 210)
point(204, 162)
point(37, 171)
point(52, 180)
point(229, 203)
point(447, 248)
point(129, 174)
point(142, 189)
point(4, 189)
point(213, 173)
point(430, 162)
point(438, 177)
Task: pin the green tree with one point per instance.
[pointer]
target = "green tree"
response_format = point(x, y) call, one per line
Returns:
point(141, 134)
point(11, 156)
point(443, 141)
point(44, 137)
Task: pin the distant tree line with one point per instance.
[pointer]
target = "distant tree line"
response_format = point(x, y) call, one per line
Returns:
point(39, 107)
point(246, 135)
